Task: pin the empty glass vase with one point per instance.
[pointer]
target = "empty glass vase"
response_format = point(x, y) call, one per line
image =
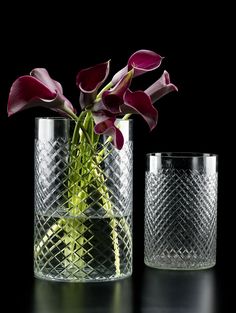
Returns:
point(181, 210)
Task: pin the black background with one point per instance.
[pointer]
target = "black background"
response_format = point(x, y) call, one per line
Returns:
point(196, 41)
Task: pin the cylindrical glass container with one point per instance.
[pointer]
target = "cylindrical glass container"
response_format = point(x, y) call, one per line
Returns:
point(180, 210)
point(83, 204)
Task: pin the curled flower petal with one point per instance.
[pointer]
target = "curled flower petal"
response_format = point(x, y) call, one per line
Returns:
point(141, 61)
point(98, 107)
point(161, 87)
point(89, 80)
point(107, 127)
point(139, 102)
point(38, 90)
point(42, 75)
point(113, 98)
point(118, 76)
point(26, 92)
point(61, 103)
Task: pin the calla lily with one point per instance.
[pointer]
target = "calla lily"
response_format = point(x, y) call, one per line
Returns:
point(38, 89)
point(106, 125)
point(139, 102)
point(121, 100)
point(161, 87)
point(89, 80)
point(114, 98)
point(141, 61)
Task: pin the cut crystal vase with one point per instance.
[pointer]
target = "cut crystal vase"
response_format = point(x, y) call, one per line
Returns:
point(83, 205)
point(181, 210)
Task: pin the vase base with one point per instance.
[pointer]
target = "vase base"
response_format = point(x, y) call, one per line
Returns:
point(175, 267)
point(82, 279)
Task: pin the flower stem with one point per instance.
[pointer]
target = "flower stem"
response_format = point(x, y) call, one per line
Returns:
point(108, 86)
point(126, 117)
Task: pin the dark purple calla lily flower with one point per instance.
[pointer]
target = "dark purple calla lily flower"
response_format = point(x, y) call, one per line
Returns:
point(161, 87)
point(106, 125)
point(121, 100)
point(139, 102)
point(141, 61)
point(89, 80)
point(114, 98)
point(38, 89)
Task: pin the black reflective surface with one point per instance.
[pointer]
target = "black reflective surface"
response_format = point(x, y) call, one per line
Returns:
point(84, 298)
point(176, 291)
point(147, 291)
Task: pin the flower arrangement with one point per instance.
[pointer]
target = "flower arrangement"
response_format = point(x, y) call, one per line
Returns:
point(100, 108)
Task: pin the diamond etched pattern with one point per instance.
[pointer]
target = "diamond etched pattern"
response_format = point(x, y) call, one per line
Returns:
point(180, 219)
point(88, 238)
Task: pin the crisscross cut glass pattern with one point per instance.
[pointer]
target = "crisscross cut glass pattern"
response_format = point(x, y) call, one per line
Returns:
point(180, 219)
point(83, 211)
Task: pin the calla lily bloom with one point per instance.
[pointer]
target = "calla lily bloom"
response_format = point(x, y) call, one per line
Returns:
point(38, 89)
point(106, 125)
point(120, 100)
point(139, 102)
point(141, 61)
point(89, 80)
point(114, 98)
point(161, 87)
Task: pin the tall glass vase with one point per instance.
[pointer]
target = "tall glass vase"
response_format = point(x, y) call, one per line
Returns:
point(83, 205)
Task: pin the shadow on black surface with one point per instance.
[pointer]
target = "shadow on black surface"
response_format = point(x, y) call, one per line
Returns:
point(178, 291)
point(53, 297)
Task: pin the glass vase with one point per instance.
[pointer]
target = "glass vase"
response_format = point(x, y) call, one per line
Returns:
point(181, 210)
point(83, 205)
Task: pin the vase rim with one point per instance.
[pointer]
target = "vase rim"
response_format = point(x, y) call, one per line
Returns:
point(206, 163)
point(182, 155)
point(67, 118)
point(52, 118)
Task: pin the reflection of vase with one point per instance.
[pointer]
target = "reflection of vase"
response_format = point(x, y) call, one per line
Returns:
point(53, 297)
point(83, 205)
point(179, 291)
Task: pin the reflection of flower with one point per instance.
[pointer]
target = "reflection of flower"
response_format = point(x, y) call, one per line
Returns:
point(114, 100)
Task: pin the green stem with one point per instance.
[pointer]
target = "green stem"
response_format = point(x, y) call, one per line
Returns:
point(108, 86)
point(79, 126)
point(126, 117)
point(75, 136)
point(50, 232)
